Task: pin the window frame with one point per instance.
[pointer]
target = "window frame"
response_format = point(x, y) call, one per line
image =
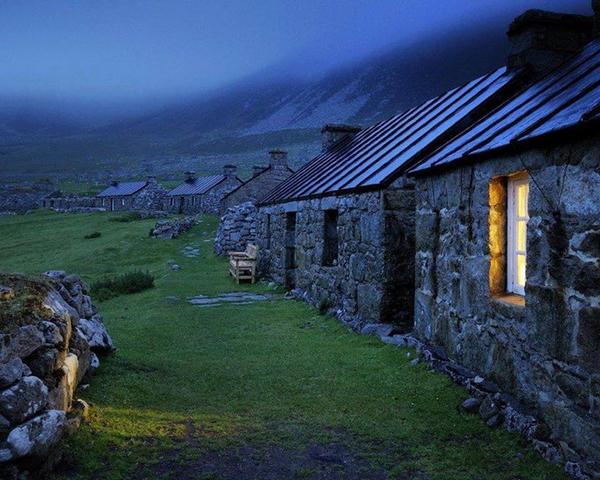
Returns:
point(512, 220)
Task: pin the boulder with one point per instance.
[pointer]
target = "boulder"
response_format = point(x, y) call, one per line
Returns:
point(36, 437)
point(51, 333)
point(11, 371)
point(6, 293)
point(26, 340)
point(44, 361)
point(471, 405)
point(23, 400)
point(95, 333)
point(61, 396)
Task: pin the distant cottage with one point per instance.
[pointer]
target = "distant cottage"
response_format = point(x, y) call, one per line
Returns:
point(122, 196)
point(202, 194)
point(508, 235)
point(264, 179)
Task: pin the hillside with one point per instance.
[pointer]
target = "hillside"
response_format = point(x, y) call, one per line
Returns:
point(239, 123)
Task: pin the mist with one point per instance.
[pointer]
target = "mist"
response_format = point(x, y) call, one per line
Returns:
point(100, 59)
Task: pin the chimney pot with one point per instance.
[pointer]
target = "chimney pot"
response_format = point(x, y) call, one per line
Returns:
point(190, 176)
point(151, 179)
point(229, 171)
point(278, 158)
point(540, 41)
point(257, 169)
point(333, 133)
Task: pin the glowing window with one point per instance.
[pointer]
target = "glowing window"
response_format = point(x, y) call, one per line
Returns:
point(517, 218)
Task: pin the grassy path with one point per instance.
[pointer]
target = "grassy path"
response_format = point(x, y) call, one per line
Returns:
point(270, 390)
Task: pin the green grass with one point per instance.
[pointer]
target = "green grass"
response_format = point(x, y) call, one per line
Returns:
point(270, 373)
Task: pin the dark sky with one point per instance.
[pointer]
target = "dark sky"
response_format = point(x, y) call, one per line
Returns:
point(134, 49)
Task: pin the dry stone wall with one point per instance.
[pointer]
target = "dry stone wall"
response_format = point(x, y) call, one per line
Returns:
point(236, 229)
point(50, 335)
point(547, 352)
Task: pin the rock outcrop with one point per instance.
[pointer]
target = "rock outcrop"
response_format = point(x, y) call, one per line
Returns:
point(236, 229)
point(168, 229)
point(50, 332)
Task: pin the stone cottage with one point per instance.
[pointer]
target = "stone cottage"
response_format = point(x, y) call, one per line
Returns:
point(202, 194)
point(508, 238)
point(340, 231)
point(123, 196)
point(264, 179)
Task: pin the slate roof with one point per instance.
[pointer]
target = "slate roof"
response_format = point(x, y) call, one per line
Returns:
point(122, 189)
point(375, 156)
point(567, 97)
point(197, 186)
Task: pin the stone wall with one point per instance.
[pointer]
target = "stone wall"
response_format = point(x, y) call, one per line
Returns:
point(68, 202)
point(236, 229)
point(50, 333)
point(117, 203)
point(21, 197)
point(211, 200)
point(371, 280)
point(257, 187)
point(150, 198)
point(546, 352)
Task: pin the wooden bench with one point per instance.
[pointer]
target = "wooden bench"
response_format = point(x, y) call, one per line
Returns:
point(242, 265)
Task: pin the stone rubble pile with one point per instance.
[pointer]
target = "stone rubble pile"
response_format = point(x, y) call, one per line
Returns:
point(236, 229)
point(50, 335)
point(496, 408)
point(168, 229)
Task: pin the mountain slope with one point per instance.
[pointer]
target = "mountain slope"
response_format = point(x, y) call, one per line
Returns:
point(239, 123)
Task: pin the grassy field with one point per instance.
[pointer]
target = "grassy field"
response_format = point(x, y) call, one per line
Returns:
point(270, 390)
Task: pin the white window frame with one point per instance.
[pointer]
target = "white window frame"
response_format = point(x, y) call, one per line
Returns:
point(514, 182)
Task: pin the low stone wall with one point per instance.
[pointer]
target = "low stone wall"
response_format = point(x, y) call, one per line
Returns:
point(236, 229)
point(168, 229)
point(496, 408)
point(21, 197)
point(50, 333)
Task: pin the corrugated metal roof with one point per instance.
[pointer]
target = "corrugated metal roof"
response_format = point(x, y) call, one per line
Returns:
point(377, 154)
point(122, 188)
point(197, 186)
point(566, 97)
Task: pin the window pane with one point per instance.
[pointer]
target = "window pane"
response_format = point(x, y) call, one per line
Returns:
point(521, 276)
point(522, 191)
point(521, 235)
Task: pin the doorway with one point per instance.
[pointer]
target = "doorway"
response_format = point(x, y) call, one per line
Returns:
point(290, 250)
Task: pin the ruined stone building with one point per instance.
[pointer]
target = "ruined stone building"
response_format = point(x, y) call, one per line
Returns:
point(59, 200)
point(123, 196)
point(264, 179)
point(341, 229)
point(202, 194)
point(508, 237)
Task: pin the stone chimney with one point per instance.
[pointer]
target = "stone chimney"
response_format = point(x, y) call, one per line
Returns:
point(229, 171)
point(114, 183)
point(151, 179)
point(596, 7)
point(190, 176)
point(257, 170)
point(540, 41)
point(332, 134)
point(278, 158)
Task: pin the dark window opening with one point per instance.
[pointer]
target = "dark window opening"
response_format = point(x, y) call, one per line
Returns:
point(330, 238)
point(268, 232)
point(290, 240)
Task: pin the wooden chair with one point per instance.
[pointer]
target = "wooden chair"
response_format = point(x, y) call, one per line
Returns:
point(242, 265)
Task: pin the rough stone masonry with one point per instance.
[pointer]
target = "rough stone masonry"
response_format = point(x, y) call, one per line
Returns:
point(50, 333)
point(546, 351)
